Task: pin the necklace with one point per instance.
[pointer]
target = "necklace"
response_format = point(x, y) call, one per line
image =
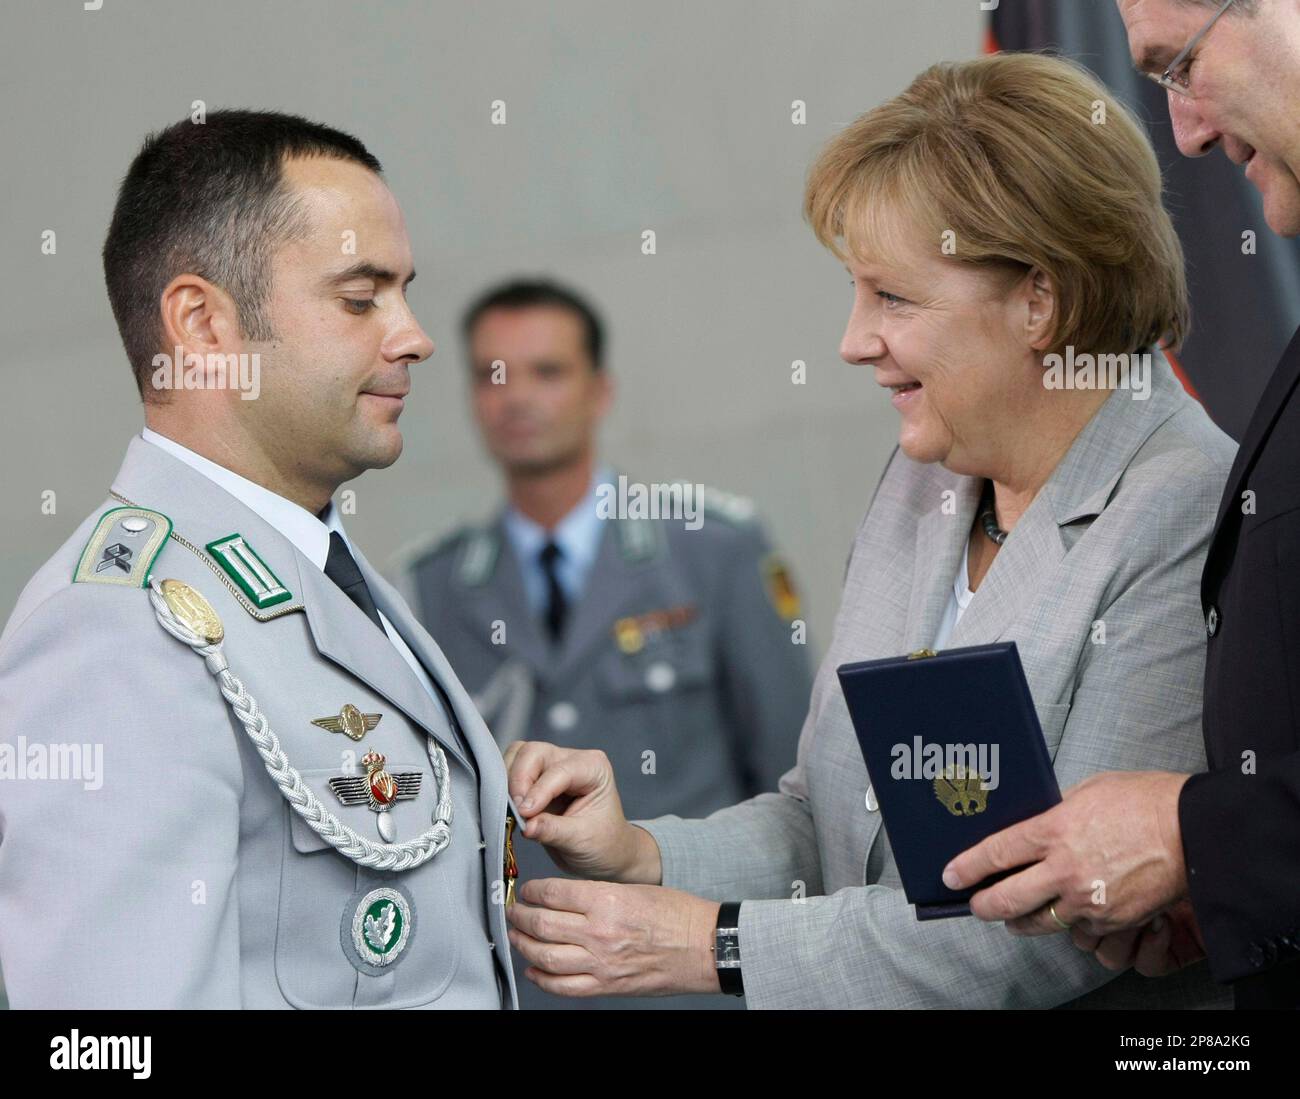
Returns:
point(989, 519)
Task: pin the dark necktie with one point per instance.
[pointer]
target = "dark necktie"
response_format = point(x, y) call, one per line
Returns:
point(557, 606)
point(341, 567)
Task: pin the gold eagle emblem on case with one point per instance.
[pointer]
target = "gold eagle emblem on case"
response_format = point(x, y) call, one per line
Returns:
point(961, 792)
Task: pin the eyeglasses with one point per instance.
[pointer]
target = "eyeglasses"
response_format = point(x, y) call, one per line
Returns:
point(1175, 78)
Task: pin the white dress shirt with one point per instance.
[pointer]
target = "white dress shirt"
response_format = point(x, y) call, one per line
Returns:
point(309, 534)
point(959, 597)
point(578, 537)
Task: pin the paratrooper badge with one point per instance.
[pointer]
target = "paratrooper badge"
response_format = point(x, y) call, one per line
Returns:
point(377, 927)
point(351, 722)
point(379, 789)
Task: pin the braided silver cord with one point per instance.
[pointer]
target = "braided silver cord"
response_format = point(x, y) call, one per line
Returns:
point(381, 856)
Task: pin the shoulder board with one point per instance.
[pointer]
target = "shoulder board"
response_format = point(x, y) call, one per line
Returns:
point(123, 547)
point(224, 567)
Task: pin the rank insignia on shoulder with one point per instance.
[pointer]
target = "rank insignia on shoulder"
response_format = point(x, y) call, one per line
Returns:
point(243, 565)
point(351, 722)
point(780, 587)
point(123, 547)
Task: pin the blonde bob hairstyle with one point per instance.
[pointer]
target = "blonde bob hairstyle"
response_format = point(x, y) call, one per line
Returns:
point(1031, 163)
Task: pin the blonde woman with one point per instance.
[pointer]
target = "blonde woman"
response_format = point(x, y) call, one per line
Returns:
point(1003, 245)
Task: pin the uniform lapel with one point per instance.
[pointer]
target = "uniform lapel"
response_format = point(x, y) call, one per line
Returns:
point(426, 650)
point(344, 635)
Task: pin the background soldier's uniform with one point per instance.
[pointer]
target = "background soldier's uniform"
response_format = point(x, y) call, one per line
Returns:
point(678, 661)
point(187, 880)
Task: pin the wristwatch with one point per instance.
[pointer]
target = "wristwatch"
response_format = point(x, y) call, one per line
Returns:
point(726, 949)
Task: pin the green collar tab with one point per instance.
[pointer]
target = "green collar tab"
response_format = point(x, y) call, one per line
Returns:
point(123, 547)
point(478, 558)
point(638, 538)
point(243, 565)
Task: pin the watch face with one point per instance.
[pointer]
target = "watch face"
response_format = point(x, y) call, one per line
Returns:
point(726, 949)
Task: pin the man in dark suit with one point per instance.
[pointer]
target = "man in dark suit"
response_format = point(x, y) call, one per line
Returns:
point(1161, 870)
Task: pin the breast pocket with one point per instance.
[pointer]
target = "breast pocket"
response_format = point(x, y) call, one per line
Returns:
point(664, 668)
point(317, 884)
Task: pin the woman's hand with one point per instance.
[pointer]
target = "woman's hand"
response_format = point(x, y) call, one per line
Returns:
point(584, 938)
point(570, 805)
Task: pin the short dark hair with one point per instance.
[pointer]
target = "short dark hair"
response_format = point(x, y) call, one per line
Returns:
point(208, 198)
point(534, 293)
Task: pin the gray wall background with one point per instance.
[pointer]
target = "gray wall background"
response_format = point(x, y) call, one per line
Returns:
point(621, 117)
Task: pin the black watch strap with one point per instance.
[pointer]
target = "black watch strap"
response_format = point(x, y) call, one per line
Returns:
point(726, 949)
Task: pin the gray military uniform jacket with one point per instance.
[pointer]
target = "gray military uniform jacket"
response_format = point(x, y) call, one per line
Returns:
point(1116, 539)
point(679, 659)
point(185, 879)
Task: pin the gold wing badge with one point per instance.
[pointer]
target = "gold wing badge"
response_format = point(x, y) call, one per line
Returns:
point(351, 722)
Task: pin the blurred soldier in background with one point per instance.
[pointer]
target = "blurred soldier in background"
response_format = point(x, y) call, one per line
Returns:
point(670, 643)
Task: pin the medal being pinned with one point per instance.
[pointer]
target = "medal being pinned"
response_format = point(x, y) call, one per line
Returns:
point(379, 789)
point(510, 867)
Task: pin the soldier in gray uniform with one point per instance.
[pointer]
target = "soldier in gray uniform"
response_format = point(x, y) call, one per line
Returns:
point(672, 643)
point(234, 770)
